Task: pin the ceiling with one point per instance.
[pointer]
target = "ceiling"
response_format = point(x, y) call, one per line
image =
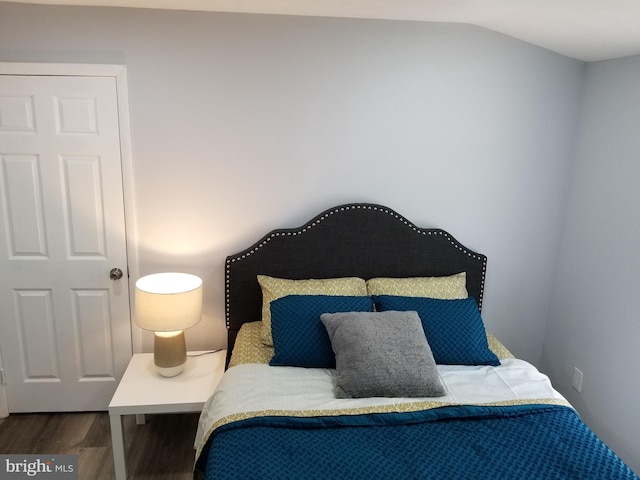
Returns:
point(588, 30)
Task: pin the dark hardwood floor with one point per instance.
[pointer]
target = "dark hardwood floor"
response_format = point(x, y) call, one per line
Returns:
point(160, 449)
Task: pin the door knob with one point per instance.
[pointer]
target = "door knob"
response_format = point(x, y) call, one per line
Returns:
point(115, 274)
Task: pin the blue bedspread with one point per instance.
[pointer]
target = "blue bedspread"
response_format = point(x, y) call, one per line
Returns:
point(452, 443)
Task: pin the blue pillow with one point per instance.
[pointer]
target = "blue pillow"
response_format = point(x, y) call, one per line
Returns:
point(454, 328)
point(299, 337)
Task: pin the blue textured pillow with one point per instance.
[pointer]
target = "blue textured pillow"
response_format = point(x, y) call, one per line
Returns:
point(454, 328)
point(299, 337)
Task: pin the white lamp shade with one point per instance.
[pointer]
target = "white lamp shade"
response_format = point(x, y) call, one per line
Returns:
point(167, 302)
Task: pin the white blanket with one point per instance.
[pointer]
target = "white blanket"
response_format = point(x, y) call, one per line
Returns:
point(256, 388)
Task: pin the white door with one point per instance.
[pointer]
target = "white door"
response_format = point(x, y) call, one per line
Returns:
point(65, 326)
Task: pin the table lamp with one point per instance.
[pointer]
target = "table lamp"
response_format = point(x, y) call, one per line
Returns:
point(168, 303)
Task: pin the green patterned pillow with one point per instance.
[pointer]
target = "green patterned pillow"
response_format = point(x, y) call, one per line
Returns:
point(453, 287)
point(274, 288)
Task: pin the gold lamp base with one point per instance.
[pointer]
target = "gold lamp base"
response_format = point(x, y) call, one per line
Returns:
point(169, 352)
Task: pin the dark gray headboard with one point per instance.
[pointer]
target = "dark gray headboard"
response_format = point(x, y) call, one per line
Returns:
point(360, 240)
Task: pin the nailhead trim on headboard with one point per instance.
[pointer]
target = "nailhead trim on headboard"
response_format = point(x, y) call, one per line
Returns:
point(333, 211)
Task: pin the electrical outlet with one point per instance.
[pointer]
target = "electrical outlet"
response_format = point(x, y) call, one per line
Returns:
point(576, 382)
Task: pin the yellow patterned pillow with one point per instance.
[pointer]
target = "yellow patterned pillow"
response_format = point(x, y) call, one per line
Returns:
point(444, 288)
point(498, 348)
point(249, 347)
point(275, 288)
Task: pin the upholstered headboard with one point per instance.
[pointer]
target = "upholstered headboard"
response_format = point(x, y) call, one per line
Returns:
point(360, 240)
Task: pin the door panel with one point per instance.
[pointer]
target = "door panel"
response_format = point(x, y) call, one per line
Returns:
point(24, 220)
point(65, 330)
point(36, 334)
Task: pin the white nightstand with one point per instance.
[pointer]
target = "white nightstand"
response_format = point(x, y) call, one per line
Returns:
point(142, 390)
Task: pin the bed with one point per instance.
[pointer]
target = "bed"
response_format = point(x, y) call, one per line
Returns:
point(356, 349)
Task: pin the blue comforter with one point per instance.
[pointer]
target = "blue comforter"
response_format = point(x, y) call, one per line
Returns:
point(463, 442)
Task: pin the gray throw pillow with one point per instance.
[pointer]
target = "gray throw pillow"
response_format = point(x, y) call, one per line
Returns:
point(382, 354)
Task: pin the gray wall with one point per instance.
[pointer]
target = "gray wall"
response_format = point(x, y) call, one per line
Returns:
point(593, 322)
point(242, 123)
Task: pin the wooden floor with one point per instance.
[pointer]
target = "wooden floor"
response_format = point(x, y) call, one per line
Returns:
point(160, 449)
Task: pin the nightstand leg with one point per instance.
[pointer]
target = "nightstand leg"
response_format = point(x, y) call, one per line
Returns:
point(117, 442)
